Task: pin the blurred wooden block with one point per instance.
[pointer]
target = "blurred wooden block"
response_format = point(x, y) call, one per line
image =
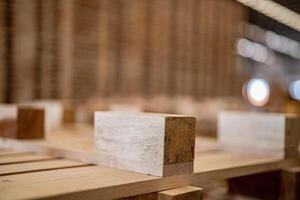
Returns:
point(181, 193)
point(23, 123)
point(8, 120)
point(54, 113)
point(68, 115)
point(156, 144)
point(259, 132)
point(30, 123)
point(290, 183)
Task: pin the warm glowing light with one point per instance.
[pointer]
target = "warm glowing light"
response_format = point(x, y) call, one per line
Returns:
point(294, 89)
point(258, 92)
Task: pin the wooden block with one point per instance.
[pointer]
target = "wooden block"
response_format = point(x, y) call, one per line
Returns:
point(156, 144)
point(8, 116)
point(54, 111)
point(290, 184)
point(181, 193)
point(259, 132)
point(21, 123)
point(30, 123)
point(68, 115)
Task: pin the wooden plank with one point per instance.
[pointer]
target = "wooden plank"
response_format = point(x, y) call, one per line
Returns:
point(156, 144)
point(290, 183)
point(12, 153)
point(108, 183)
point(38, 166)
point(23, 158)
point(211, 164)
point(259, 132)
point(181, 193)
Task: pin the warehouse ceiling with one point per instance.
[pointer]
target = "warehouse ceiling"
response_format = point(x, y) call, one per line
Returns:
point(284, 12)
point(294, 5)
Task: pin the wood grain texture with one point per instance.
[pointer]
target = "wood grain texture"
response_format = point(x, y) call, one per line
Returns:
point(181, 193)
point(156, 144)
point(259, 132)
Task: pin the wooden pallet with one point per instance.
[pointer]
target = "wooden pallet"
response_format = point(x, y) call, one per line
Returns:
point(56, 174)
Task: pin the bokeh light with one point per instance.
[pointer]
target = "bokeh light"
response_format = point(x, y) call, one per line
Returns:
point(294, 89)
point(258, 92)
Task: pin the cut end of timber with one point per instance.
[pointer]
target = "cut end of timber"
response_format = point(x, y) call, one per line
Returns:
point(156, 144)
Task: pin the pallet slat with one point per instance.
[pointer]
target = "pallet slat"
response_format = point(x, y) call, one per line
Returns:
point(24, 158)
point(38, 166)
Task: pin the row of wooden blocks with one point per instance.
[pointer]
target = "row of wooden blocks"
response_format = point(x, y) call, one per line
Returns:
point(33, 120)
point(164, 144)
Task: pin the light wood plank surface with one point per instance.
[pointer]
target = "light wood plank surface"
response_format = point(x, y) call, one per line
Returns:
point(211, 164)
point(24, 158)
point(92, 182)
point(13, 153)
point(181, 193)
point(38, 166)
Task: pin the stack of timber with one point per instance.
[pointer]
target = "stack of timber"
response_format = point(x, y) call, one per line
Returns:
point(211, 163)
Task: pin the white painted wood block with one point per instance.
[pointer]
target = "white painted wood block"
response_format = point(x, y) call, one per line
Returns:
point(155, 144)
point(258, 132)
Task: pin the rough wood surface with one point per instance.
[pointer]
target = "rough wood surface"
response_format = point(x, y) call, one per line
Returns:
point(181, 193)
point(156, 144)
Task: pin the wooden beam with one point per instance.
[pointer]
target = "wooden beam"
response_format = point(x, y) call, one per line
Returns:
point(256, 132)
point(290, 183)
point(181, 193)
point(156, 144)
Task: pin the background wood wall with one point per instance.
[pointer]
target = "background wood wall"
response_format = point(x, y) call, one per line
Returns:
point(76, 49)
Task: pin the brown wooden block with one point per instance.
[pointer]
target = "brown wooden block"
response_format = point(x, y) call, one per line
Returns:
point(290, 184)
point(68, 115)
point(30, 123)
point(181, 193)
